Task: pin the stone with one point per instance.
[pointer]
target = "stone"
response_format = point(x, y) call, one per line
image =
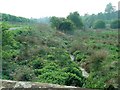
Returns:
point(21, 85)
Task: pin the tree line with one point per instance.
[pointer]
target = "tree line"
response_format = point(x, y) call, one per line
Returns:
point(108, 19)
point(12, 18)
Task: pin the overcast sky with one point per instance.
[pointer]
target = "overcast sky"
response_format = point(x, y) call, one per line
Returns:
point(60, 8)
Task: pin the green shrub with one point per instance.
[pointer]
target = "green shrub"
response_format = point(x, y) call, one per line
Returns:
point(51, 42)
point(53, 73)
point(8, 38)
point(24, 73)
point(73, 80)
point(58, 54)
point(66, 25)
point(38, 63)
point(55, 77)
point(73, 70)
point(62, 78)
point(5, 26)
point(75, 18)
point(115, 24)
point(99, 24)
point(9, 54)
point(62, 24)
point(77, 46)
point(79, 56)
point(94, 82)
point(55, 22)
point(48, 67)
point(7, 69)
point(97, 58)
point(50, 57)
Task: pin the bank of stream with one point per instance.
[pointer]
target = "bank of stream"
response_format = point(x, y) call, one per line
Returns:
point(84, 73)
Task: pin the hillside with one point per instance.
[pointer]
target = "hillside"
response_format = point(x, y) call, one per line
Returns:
point(39, 53)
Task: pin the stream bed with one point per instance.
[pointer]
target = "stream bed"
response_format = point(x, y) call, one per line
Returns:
point(84, 73)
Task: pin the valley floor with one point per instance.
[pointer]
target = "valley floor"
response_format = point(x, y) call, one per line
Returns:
point(39, 53)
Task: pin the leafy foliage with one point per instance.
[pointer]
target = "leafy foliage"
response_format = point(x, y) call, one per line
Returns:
point(41, 53)
point(109, 8)
point(66, 25)
point(55, 21)
point(62, 24)
point(99, 24)
point(39, 59)
point(11, 18)
point(24, 75)
point(108, 15)
point(53, 74)
point(73, 21)
point(115, 24)
point(75, 18)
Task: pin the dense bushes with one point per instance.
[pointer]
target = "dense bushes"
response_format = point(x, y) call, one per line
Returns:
point(23, 73)
point(38, 59)
point(73, 70)
point(115, 24)
point(73, 80)
point(66, 25)
point(97, 58)
point(11, 18)
point(5, 26)
point(99, 24)
point(55, 22)
point(72, 22)
point(52, 73)
point(44, 54)
point(79, 56)
point(37, 63)
point(62, 24)
point(75, 18)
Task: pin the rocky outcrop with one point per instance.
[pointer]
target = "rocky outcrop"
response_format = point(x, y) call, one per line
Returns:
point(21, 84)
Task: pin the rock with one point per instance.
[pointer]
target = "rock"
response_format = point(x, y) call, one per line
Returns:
point(84, 73)
point(13, 85)
point(22, 84)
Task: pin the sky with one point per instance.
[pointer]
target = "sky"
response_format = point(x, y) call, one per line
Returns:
point(59, 8)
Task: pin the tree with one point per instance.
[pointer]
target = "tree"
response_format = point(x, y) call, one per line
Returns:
point(75, 18)
point(115, 24)
point(66, 25)
point(99, 24)
point(109, 8)
point(62, 24)
point(100, 15)
point(11, 18)
point(89, 20)
point(55, 22)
